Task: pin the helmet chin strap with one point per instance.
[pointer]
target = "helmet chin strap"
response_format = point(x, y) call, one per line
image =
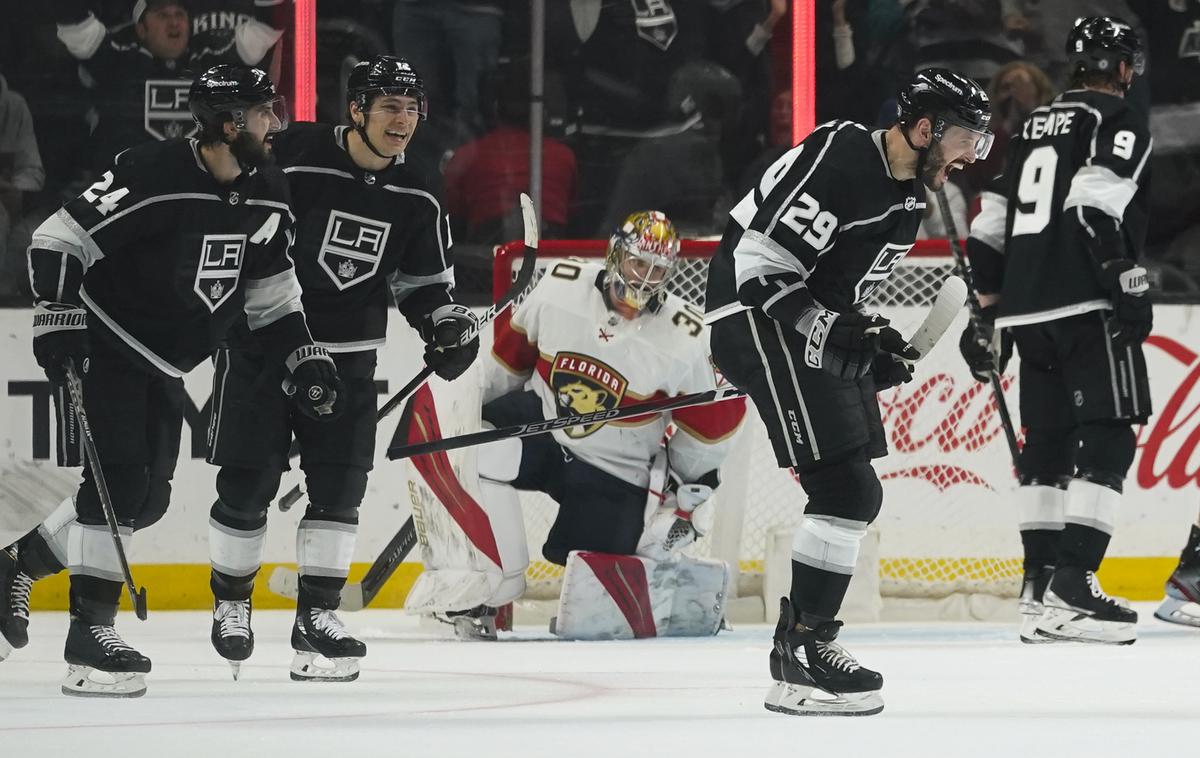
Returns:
point(922, 152)
point(362, 134)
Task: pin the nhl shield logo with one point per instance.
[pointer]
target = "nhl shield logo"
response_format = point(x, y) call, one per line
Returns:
point(584, 385)
point(167, 115)
point(220, 267)
point(353, 248)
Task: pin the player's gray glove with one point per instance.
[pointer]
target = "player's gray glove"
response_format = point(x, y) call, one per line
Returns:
point(59, 333)
point(314, 385)
point(441, 331)
point(1132, 316)
point(980, 351)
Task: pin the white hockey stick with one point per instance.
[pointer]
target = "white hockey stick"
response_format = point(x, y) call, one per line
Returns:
point(949, 301)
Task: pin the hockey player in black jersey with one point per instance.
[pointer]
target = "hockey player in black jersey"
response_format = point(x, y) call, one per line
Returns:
point(827, 223)
point(1055, 250)
point(368, 230)
point(136, 281)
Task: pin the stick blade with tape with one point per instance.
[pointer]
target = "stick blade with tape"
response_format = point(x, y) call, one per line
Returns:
point(949, 302)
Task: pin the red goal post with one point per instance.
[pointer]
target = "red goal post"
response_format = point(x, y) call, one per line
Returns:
point(947, 527)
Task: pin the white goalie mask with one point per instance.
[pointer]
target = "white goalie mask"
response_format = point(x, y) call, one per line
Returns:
point(641, 258)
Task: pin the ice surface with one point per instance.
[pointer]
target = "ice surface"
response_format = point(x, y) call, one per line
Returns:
point(968, 689)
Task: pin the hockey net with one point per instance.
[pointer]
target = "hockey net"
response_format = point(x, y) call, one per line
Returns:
point(947, 526)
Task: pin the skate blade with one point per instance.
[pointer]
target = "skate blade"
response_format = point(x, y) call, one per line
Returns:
point(475, 630)
point(313, 667)
point(1064, 625)
point(5, 648)
point(1173, 611)
point(235, 668)
point(802, 700)
point(1029, 631)
point(85, 681)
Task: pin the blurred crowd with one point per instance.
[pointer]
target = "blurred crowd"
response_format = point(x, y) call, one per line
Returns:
point(673, 104)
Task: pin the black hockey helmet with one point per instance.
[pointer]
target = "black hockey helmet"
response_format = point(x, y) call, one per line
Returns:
point(385, 75)
point(947, 99)
point(224, 93)
point(1100, 43)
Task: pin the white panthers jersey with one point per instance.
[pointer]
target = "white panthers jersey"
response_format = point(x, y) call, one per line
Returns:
point(565, 344)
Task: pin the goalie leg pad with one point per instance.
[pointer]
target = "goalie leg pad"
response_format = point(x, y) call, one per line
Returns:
point(606, 597)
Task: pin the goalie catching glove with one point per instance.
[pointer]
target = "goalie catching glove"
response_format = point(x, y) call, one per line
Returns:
point(984, 350)
point(685, 516)
point(314, 384)
point(442, 330)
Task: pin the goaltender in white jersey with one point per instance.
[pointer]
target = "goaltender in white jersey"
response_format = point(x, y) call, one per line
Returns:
point(593, 337)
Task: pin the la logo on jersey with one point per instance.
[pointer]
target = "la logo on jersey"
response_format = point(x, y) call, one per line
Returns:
point(220, 267)
point(585, 385)
point(352, 248)
point(881, 268)
point(167, 115)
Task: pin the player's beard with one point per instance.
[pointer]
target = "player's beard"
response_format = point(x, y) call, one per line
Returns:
point(251, 152)
point(935, 161)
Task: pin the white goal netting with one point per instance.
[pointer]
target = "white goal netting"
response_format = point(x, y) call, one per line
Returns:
point(948, 525)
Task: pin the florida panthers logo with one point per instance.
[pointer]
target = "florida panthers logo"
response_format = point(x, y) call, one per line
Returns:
point(585, 385)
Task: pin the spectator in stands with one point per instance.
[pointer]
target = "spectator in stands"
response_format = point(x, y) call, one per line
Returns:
point(141, 86)
point(738, 34)
point(1015, 90)
point(681, 173)
point(1173, 34)
point(453, 43)
point(484, 177)
point(972, 37)
point(20, 173)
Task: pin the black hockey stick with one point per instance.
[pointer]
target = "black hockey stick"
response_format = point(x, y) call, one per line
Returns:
point(976, 313)
point(395, 452)
point(137, 597)
point(516, 294)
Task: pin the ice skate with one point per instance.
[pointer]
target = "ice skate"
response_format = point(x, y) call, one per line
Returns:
point(14, 603)
point(325, 651)
point(101, 664)
point(1182, 603)
point(478, 623)
point(1077, 609)
point(232, 636)
point(1033, 589)
point(814, 676)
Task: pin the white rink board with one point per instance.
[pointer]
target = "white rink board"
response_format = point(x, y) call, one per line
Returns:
point(1162, 489)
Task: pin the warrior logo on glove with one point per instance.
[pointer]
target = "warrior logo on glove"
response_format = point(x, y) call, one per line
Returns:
point(585, 385)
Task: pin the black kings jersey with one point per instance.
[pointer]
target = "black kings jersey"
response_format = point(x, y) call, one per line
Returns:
point(828, 222)
point(360, 234)
point(171, 256)
point(1074, 182)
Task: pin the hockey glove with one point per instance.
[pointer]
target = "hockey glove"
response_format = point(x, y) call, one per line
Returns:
point(314, 384)
point(677, 524)
point(59, 333)
point(981, 351)
point(442, 330)
point(844, 344)
point(1132, 316)
point(890, 371)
